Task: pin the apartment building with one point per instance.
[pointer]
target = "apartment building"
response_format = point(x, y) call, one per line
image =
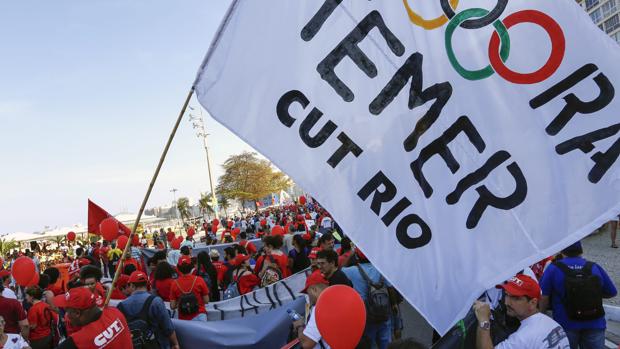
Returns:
point(605, 14)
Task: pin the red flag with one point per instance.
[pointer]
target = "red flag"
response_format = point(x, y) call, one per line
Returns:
point(96, 214)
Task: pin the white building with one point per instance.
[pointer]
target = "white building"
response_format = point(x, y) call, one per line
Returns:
point(605, 14)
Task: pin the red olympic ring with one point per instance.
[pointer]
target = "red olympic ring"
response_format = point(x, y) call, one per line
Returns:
point(558, 47)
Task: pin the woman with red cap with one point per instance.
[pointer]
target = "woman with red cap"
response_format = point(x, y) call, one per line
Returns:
point(242, 274)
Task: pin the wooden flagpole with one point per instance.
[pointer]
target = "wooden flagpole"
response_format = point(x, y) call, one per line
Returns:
point(119, 268)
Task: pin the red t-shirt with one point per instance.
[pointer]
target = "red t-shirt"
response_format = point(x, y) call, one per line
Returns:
point(344, 258)
point(109, 331)
point(221, 270)
point(163, 288)
point(249, 246)
point(247, 283)
point(40, 315)
point(200, 289)
point(96, 253)
point(280, 259)
point(170, 236)
point(57, 290)
point(117, 294)
point(12, 312)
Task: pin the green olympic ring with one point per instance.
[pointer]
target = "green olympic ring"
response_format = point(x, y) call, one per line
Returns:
point(499, 27)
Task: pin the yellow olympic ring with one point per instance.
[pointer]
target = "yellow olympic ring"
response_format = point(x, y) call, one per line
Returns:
point(428, 24)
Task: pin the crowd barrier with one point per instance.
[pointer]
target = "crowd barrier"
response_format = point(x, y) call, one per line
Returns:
point(265, 330)
point(256, 302)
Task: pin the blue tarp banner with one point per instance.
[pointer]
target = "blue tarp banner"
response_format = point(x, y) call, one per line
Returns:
point(265, 330)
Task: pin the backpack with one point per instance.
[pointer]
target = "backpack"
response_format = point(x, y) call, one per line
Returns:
point(232, 290)
point(205, 276)
point(142, 335)
point(378, 307)
point(55, 332)
point(188, 303)
point(271, 274)
point(583, 300)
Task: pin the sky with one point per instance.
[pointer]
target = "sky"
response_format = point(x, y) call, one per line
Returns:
point(89, 92)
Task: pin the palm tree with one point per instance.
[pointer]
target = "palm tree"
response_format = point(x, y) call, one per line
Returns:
point(225, 204)
point(205, 204)
point(7, 245)
point(183, 207)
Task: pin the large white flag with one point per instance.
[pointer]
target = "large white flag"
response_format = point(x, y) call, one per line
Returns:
point(456, 143)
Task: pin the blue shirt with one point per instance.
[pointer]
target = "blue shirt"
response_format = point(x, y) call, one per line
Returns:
point(158, 314)
point(359, 283)
point(552, 284)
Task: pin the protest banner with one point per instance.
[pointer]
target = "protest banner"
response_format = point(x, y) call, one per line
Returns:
point(455, 143)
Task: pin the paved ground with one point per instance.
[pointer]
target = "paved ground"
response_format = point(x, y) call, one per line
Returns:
point(596, 247)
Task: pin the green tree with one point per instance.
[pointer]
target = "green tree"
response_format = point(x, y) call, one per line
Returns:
point(248, 178)
point(224, 204)
point(205, 204)
point(183, 207)
point(7, 245)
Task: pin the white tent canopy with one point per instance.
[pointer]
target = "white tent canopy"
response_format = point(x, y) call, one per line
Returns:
point(22, 236)
point(130, 218)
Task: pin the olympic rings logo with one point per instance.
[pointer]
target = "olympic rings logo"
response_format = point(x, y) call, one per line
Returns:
point(499, 44)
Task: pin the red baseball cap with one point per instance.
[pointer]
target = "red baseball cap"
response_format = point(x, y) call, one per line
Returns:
point(183, 260)
point(77, 298)
point(313, 252)
point(239, 259)
point(522, 285)
point(138, 277)
point(314, 279)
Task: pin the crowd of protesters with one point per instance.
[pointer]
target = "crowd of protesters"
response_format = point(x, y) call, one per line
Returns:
point(69, 312)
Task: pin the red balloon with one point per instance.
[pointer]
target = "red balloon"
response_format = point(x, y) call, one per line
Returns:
point(230, 224)
point(176, 243)
point(302, 200)
point(109, 228)
point(23, 270)
point(191, 231)
point(121, 242)
point(33, 281)
point(263, 222)
point(214, 228)
point(71, 236)
point(340, 309)
point(135, 240)
point(277, 230)
point(215, 222)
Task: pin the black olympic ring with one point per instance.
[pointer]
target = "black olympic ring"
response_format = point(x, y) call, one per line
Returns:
point(479, 22)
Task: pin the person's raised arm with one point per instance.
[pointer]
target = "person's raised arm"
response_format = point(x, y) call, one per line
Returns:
point(483, 331)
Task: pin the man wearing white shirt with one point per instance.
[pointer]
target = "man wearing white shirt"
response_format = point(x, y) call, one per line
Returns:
point(309, 336)
point(537, 331)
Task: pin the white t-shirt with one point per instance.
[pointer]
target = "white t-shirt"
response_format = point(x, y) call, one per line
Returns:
point(537, 332)
point(312, 331)
point(15, 341)
point(8, 293)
